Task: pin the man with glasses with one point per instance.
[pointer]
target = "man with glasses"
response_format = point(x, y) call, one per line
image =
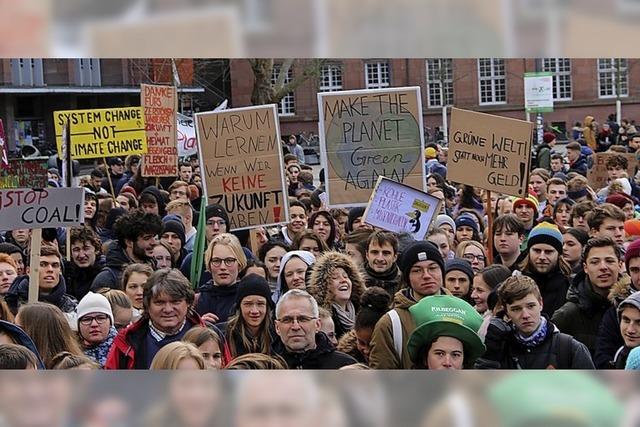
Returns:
point(179, 190)
point(303, 345)
point(96, 328)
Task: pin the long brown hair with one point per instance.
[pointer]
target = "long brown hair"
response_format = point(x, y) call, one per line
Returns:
point(237, 330)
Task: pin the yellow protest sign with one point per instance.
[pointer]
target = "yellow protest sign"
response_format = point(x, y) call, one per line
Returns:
point(103, 132)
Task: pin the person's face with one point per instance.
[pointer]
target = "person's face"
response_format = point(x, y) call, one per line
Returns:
point(172, 239)
point(193, 398)
point(215, 226)
point(253, 310)
point(162, 257)
point(571, 249)
point(445, 353)
point(630, 326)
point(96, 182)
point(352, 251)
point(197, 180)
point(506, 207)
point(432, 185)
point(543, 257)
point(185, 173)
point(556, 165)
point(447, 228)
point(628, 211)
point(480, 293)
point(634, 271)
point(94, 327)
point(634, 143)
point(310, 245)
point(143, 246)
point(122, 317)
point(363, 341)
point(381, 257)
point(7, 275)
point(464, 233)
point(329, 328)
point(89, 208)
point(475, 256)
point(358, 224)
point(538, 185)
point(261, 237)
point(525, 314)
point(603, 267)
point(272, 261)
point(292, 173)
point(49, 274)
point(294, 273)
point(556, 192)
point(425, 278)
point(19, 262)
point(297, 325)
point(563, 215)
point(292, 141)
point(322, 227)
point(341, 222)
point(340, 286)
point(134, 167)
point(83, 254)
point(166, 313)
point(134, 288)
point(117, 169)
point(223, 274)
point(211, 353)
point(612, 228)
point(123, 201)
point(580, 222)
point(179, 193)
point(457, 283)
point(442, 242)
point(616, 172)
point(298, 219)
point(525, 213)
point(507, 242)
point(573, 155)
point(150, 207)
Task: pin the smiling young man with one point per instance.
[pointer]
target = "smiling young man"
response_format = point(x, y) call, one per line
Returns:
point(297, 222)
point(629, 319)
point(380, 268)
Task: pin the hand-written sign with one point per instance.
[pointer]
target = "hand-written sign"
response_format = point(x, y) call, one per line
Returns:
point(51, 207)
point(242, 165)
point(103, 133)
point(24, 173)
point(598, 176)
point(366, 134)
point(159, 104)
point(489, 152)
point(400, 208)
point(187, 143)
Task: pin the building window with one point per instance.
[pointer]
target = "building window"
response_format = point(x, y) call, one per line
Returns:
point(493, 81)
point(330, 78)
point(287, 105)
point(561, 69)
point(439, 74)
point(376, 75)
point(27, 72)
point(613, 77)
point(88, 72)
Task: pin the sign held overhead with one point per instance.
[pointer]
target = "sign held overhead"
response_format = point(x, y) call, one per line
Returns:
point(159, 104)
point(46, 208)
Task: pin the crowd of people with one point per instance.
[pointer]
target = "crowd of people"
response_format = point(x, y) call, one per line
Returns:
point(551, 282)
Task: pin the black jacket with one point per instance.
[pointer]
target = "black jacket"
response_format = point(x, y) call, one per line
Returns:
point(553, 288)
point(110, 275)
point(580, 166)
point(324, 356)
point(219, 300)
point(18, 294)
point(79, 280)
point(388, 280)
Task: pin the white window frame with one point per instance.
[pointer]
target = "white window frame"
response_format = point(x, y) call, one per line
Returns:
point(27, 72)
point(560, 75)
point(607, 74)
point(287, 105)
point(88, 72)
point(493, 78)
point(380, 68)
point(333, 72)
point(435, 84)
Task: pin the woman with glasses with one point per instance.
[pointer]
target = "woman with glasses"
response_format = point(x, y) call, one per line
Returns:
point(224, 259)
point(473, 252)
point(163, 255)
point(96, 330)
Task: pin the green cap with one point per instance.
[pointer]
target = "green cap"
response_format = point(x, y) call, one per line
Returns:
point(445, 316)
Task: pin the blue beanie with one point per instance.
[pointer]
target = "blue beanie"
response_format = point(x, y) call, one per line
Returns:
point(462, 265)
point(466, 219)
point(546, 233)
point(633, 360)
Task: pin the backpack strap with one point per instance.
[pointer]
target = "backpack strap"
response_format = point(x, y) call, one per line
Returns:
point(564, 355)
point(396, 325)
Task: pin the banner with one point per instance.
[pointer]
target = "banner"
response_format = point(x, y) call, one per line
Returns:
point(489, 152)
point(400, 208)
point(4, 161)
point(25, 173)
point(187, 143)
point(50, 207)
point(103, 133)
point(159, 104)
point(242, 165)
point(365, 134)
point(538, 92)
point(597, 175)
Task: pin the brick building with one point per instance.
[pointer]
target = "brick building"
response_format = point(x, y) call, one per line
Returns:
point(581, 87)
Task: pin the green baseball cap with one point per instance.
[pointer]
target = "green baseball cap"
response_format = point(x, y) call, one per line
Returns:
point(448, 316)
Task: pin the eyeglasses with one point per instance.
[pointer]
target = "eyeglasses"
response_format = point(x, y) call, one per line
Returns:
point(219, 222)
point(471, 257)
point(88, 320)
point(217, 262)
point(288, 320)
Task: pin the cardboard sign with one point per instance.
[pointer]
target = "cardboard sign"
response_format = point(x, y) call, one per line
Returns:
point(597, 175)
point(25, 173)
point(50, 207)
point(400, 208)
point(538, 92)
point(365, 134)
point(242, 165)
point(187, 143)
point(159, 104)
point(489, 152)
point(103, 133)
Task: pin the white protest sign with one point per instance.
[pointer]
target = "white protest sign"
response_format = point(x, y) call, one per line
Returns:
point(538, 92)
point(187, 143)
point(400, 208)
point(50, 207)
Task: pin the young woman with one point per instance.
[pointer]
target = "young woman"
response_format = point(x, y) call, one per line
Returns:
point(441, 239)
point(293, 272)
point(178, 355)
point(579, 213)
point(473, 252)
point(310, 241)
point(120, 307)
point(8, 272)
point(164, 256)
point(574, 240)
point(323, 225)
point(90, 210)
point(210, 345)
point(337, 284)
point(562, 212)
point(271, 254)
point(485, 282)
point(133, 280)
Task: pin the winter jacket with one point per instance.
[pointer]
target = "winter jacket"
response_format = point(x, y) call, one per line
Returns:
point(589, 132)
point(161, 201)
point(580, 165)
point(98, 353)
point(126, 176)
point(324, 356)
point(388, 280)
point(20, 337)
point(543, 158)
point(552, 353)
point(110, 276)
point(79, 280)
point(434, 166)
point(582, 314)
point(281, 284)
point(609, 338)
point(114, 180)
point(18, 294)
point(219, 300)
point(128, 350)
point(348, 345)
point(553, 288)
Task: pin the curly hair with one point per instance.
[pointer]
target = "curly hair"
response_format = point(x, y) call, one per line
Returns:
point(323, 268)
point(135, 224)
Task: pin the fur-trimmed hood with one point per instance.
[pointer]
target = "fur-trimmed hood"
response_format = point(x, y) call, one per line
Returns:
point(348, 345)
point(621, 290)
point(324, 267)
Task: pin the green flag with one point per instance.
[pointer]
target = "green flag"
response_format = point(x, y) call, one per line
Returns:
point(199, 245)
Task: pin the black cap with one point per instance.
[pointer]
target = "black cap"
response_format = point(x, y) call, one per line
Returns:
point(216, 210)
point(419, 251)
point(253, 284)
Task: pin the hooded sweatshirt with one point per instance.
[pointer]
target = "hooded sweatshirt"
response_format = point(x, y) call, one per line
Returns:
point(281, 284)
point(20, 337)
point(79, 280)
point(117, 261)
point(155, 192)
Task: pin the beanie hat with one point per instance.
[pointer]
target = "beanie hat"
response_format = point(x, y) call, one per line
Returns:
point(430, 153)
point(561, 175)
point(626, 185)
point(354, 213)
point(253, 284)
point(194, 192)
point(216, 210)
point(419, 251)
point(459, 264)
point(445, 219)
point(94, 303)
point(466, 220)
point(619, 199)
point(633, 251)
point(547, 137)
point(546, 233)
point(530, 200)
point(632, 300)
point(172, 224)
point(633, 360)
point(632, 227)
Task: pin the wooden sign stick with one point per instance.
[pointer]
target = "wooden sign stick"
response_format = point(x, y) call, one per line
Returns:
point(34, 264)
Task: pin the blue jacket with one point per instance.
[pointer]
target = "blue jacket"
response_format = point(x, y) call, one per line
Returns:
point(20, 337)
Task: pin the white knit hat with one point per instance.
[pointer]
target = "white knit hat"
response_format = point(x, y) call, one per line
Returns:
point(94, 303)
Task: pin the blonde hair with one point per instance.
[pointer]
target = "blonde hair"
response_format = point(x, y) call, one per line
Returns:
point(231, 241)
point(178, 206)
point(462, 246)
point(170, 356)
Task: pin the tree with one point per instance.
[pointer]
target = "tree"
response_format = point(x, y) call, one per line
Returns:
point(266, 92)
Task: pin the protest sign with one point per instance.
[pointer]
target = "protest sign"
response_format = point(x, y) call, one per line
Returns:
point(597, 175)
point(24, 173)
point(49, 207)
point(365, 134)
point(187, 144)
point(4, 161)
point(242, 165)
point(102, 133)
point(159, 104)
point(538, 92)
point(489, 152)
point(400, 208)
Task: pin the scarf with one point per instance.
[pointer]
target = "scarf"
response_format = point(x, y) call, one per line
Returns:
point(347, 318)
point(536, 338)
